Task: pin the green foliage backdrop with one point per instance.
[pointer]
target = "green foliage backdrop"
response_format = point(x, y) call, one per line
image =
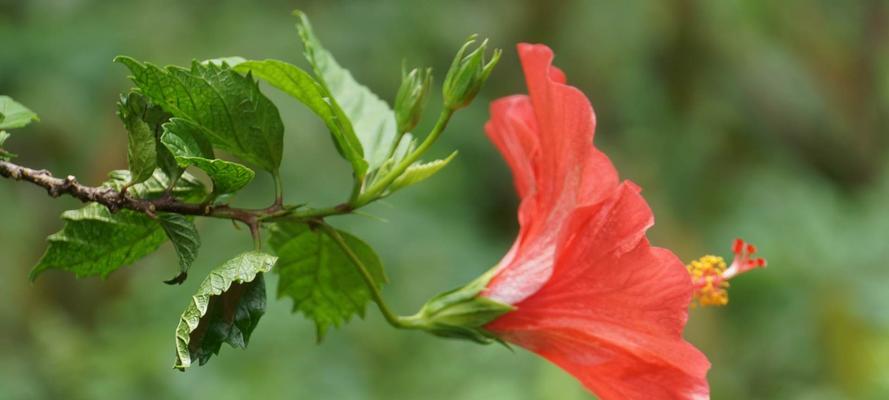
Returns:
point(761, 119)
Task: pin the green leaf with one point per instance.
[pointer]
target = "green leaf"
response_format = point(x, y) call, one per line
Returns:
point(141, 148)
point(322, 281)
point(14, 114)
point(184, 236)
point(185, 141)
point(418, 172)
point(222, 61)
point(300, 85)
point(226, 308)
point(4, 155)
point(95, 242)
point(140, 114)
point(228, 107)
point(372, 119)
point(188, 188)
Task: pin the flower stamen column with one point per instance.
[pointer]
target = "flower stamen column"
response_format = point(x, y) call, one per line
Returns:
point(711, 276)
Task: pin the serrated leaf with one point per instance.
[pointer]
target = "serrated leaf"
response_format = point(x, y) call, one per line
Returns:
point(184, 236)
point(185, 141)
point(419, 172)
point(188, 188)
point(320, 279)
point(95, 242)
point(300, 85)
point(14, 114)
point(141, 148)
point(141, 116)
point(221, 61)
point(228, 107)
point(371, 118)
point(226, 308)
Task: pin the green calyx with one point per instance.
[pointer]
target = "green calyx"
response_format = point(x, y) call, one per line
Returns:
point(460, 313)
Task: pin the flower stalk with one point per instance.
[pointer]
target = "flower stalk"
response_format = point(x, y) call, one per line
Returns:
point(391, 317)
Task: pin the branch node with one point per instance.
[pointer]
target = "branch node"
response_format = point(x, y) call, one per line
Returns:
point(123, 192)
point(70, 181)
point(151, 211)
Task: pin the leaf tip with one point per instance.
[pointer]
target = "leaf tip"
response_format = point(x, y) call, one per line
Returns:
point(34, 274)
point(178, 279)
point(125, 60)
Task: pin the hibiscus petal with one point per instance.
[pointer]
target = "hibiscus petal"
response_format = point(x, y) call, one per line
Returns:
point(606, 268)
point(570, 170)
point(613, 311)
point(546, 138)
point(612, 372)
point(513, 130)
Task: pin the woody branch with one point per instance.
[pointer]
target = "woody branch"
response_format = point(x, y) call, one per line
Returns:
point(116, 200)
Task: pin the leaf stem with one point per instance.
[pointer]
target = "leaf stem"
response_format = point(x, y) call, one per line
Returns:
point(392, 318)
point(381, 185)
point(356, 188)
point(279, 189)
point(255, 234)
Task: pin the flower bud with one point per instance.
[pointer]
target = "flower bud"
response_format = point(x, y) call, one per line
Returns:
point(411, 98)
point(467, 74)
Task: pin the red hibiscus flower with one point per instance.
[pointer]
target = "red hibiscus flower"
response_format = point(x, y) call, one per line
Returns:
point(582, 286)
point(590, 293)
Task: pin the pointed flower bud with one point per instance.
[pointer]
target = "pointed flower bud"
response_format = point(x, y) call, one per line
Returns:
point(411, 98)
point(467, 74)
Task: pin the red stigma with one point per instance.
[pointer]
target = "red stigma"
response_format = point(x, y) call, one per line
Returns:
point(738, 246)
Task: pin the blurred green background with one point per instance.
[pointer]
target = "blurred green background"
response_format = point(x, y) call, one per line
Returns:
point(760, 119)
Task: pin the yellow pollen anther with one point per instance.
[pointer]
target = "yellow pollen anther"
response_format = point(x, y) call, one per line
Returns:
point(709, 284)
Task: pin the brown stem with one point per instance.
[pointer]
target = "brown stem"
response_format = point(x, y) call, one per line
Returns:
point(117, 200)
